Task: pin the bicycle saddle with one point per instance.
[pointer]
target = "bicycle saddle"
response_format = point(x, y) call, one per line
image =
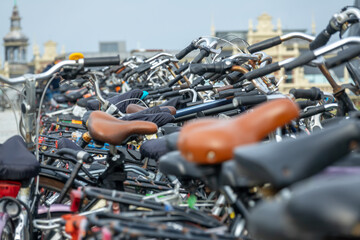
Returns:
point(173, 163)
point(318, 208)
point(156, 148)
point(134, 108)
point(261, 222)
point(73, 95)
point(60, 98)
point(16, 162)
point(106, 128)
point(82, 102)
point(283, 163)
point(230, 175)
point(211, 141)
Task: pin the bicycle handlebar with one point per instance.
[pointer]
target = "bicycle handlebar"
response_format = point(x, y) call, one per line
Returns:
point(186, 50)
point(268, 43)
point(40, 76)
point(219, 67)
point(310, 55)
point(204, 52)
point(79, 155)
point(250, 99)
point(261, 71)
point(157, 56)
point(343, 56)
point(311, 94)
point(87, 62)
point(271, 42)
point(101, 61)
point(312, 111)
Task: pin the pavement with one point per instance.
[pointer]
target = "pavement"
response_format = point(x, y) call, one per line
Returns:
point(8, 125)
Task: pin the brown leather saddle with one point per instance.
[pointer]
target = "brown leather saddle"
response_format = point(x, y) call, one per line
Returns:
point(108, 129)
point(211, 141)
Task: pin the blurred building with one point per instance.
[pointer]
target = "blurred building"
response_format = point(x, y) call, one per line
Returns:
point(39, 61)
point(304, 77)
point(15, 44)
point(108, 49)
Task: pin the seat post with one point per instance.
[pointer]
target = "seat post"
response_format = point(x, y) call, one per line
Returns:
point(115, 175)
point(112, 150)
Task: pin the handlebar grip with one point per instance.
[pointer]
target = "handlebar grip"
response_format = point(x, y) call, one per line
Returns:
point(185, 51)
point(209, 75)
point(249, 100)
point(324, 36)
point(301, 60)
point(175, 80)
point(312, 111)
point(182, 68)
point(79, 155)
point(250, 87)
point(219, 67)
point(268, 43)
point(262, 71)
point(343, 56)
point(215, 77)
point(101, 61)
point(143, 68)
point(171, 94)
point(203, 53)
point(320, 40)
point(160, 90)
point(234, 77)
point(197, 81)
point(227, 93)
point(311, 94)
point(204, 88)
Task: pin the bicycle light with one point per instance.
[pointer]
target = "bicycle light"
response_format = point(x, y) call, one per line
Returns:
point(76, 197)
point(9, 188)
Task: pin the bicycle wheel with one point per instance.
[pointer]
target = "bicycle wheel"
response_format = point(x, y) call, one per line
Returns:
point(50, 188)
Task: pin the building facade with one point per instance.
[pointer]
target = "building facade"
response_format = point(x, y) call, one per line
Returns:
point(15, 44)
point(39, 61)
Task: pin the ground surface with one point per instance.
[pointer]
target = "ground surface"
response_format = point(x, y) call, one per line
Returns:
point(8, 126)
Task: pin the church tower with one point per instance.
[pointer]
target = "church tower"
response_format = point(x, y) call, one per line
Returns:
point(15, 43)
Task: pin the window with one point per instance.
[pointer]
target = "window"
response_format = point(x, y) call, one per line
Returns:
point(289, 77)
point(109, 47)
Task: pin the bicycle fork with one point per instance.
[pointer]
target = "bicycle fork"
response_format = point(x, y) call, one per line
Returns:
point(28, 109)
point(21, 230)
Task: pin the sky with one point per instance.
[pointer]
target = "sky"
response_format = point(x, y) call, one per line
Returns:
point(79, 25)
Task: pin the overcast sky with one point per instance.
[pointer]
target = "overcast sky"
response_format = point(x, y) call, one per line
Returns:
point(168, 24)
